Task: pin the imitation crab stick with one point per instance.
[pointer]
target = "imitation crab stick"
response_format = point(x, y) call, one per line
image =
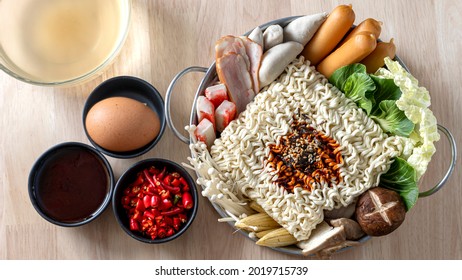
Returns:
point(375, 60)
point(353, 51)
point(329, 34)
point(224, 114)
point(368, 25)
point(205, 132)
point(216, 94)
point(205, 110)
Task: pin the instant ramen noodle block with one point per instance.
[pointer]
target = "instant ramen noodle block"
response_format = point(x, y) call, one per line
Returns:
point(301, 147)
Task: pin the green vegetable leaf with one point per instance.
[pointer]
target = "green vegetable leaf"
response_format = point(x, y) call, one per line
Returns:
point(359, 87)
point(414, 102)
point(402, 178)
point(375, 95)
point(340, 76)
point(386, 89)
point(391, 119)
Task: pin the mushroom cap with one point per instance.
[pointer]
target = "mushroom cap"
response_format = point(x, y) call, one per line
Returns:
point(380, 211)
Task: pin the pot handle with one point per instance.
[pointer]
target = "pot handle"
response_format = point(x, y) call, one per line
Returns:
point(452, 163)
point(168, 95)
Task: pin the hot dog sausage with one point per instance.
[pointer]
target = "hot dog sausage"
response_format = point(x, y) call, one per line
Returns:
point(368, 25)
point(354, 50)
point(329, 34)
point(375, 60)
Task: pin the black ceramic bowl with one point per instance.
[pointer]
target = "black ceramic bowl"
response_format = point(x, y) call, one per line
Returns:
point(130, 87)
point(130, 176)
point(71, 184)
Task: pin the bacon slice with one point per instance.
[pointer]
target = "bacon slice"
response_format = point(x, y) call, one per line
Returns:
point(231, 44)
point(232, 71)
point(255, 53)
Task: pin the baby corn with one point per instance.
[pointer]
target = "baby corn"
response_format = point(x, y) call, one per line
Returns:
point(260, 234)
point(255, 206)
point(277, 238)
point(257, 222)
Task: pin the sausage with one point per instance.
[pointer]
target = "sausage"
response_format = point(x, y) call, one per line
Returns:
point(353, 51)
point(375, 60)
point(302, 29)
point(368, 25)
point(273, 35)
point(257, 36)
point(329, 34)
point(276, 59)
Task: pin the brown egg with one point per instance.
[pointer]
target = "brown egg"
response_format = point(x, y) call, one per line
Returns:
point(122, 124)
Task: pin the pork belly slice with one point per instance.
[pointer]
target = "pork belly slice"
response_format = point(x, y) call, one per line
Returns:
point(231, 44)
point(255, 53)
point(232, 71)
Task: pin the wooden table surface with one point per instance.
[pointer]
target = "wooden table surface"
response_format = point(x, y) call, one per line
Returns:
point(167, 36)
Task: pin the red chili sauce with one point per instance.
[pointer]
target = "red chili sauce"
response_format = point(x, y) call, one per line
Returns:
point(71, 185)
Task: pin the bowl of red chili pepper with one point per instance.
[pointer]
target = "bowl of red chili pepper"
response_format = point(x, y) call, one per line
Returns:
point(155, 201)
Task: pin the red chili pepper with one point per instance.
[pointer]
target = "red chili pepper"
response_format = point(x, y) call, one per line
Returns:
point(147, 201)
point(146, 224)
point(133, 201)
point(176, 183)
point(166, 204)
point(183, 181)
point(171, 189)
point(161, 175)
point(168, 179)
point(139, 180)
point(148, 177)
point(176, 223)
point(159, 218)
point(187, 200)
point(157, 183)
point(140, 205)
point(151, 190)
point(164, 194)
point(156, 213)
point(161, 233)
point(154, 171)
point(138, 216)
point(183, 218)
point(134, 226)
point(170, 232)
point(135, 190)
point(168, 220)
point(149, 214)
point(152, 232)
point(155, 200)
point(172, 212)
point(184, 184)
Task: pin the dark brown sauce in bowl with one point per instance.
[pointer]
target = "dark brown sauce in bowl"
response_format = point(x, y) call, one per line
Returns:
point(71, 184)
